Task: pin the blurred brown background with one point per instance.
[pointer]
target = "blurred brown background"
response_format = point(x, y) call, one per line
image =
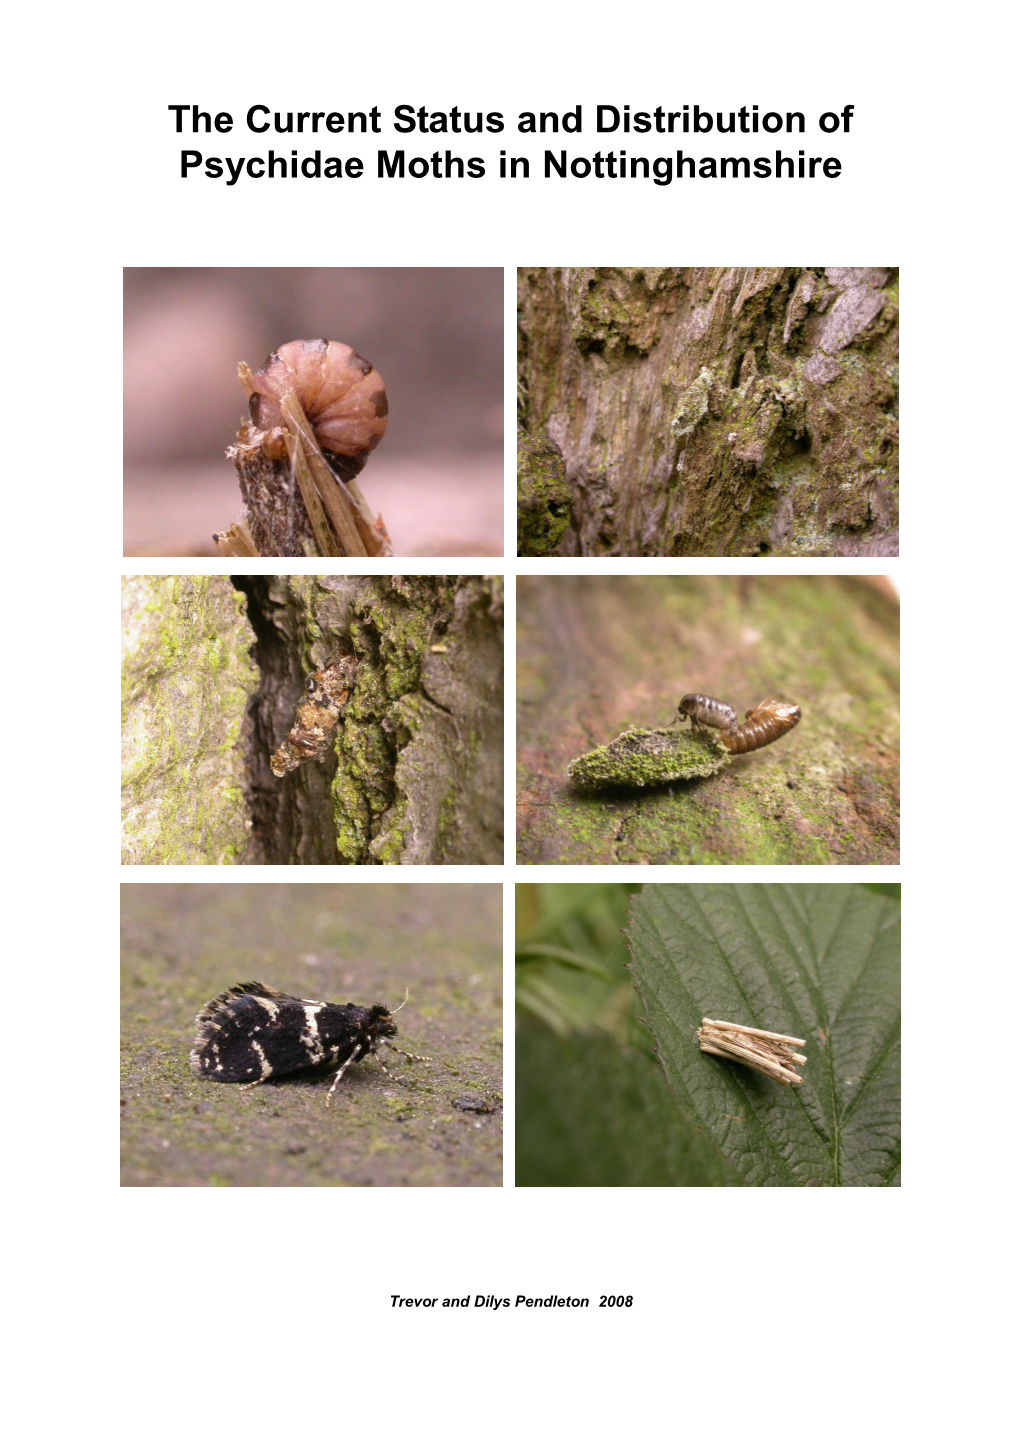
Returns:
point(435, 336)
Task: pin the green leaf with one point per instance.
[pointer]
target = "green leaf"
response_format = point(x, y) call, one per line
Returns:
point(820, 962)
point(590, 1113)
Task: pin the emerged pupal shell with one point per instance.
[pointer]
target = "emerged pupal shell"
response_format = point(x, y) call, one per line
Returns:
point(764, 723)
point(340, 391)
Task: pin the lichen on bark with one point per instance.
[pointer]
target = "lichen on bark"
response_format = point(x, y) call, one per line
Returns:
point(187, 674)
point(717, 411)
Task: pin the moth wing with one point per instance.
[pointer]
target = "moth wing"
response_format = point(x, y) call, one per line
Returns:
point(246, 988)
point(224, 1049)
point(257, 988)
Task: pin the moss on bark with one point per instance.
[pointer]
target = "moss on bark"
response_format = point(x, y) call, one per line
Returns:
point(414, 775)
point(433, 653)
point(717, 411)
point(543, 496)
point(648, 758)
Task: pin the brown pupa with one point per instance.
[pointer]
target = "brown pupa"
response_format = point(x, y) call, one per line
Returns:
point(340, 392)
point(317, 409)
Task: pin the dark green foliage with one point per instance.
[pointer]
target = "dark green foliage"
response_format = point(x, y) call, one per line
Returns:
point(590, 1113)
point(571, 956)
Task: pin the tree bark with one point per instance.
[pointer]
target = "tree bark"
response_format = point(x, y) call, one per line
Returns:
point(717, 411)
point(600, 653)
point(414, 775)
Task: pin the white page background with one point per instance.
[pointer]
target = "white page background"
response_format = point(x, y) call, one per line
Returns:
point(178, 1312)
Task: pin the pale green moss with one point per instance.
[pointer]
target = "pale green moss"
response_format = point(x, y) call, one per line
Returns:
point(187, 674)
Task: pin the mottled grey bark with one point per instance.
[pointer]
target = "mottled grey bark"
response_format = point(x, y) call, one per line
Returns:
point(715, 411)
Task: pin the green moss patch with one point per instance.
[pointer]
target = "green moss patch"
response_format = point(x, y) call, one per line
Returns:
point(648, 758)
point(543, 496)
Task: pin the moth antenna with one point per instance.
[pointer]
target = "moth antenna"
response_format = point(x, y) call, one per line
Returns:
point(403, 1003)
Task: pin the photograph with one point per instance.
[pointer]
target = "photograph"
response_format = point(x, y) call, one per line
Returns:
point(708, 1035)
point(707, 720)
point(743, 411)
point(255, 400)
point(312, 720)
point(311, 1035)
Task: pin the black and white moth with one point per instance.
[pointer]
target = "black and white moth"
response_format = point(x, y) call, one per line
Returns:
point(252, 1032)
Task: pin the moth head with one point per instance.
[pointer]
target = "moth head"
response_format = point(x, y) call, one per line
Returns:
point(381, 1022)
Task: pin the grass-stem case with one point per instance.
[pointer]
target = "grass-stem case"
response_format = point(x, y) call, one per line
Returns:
point(765, 1051)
